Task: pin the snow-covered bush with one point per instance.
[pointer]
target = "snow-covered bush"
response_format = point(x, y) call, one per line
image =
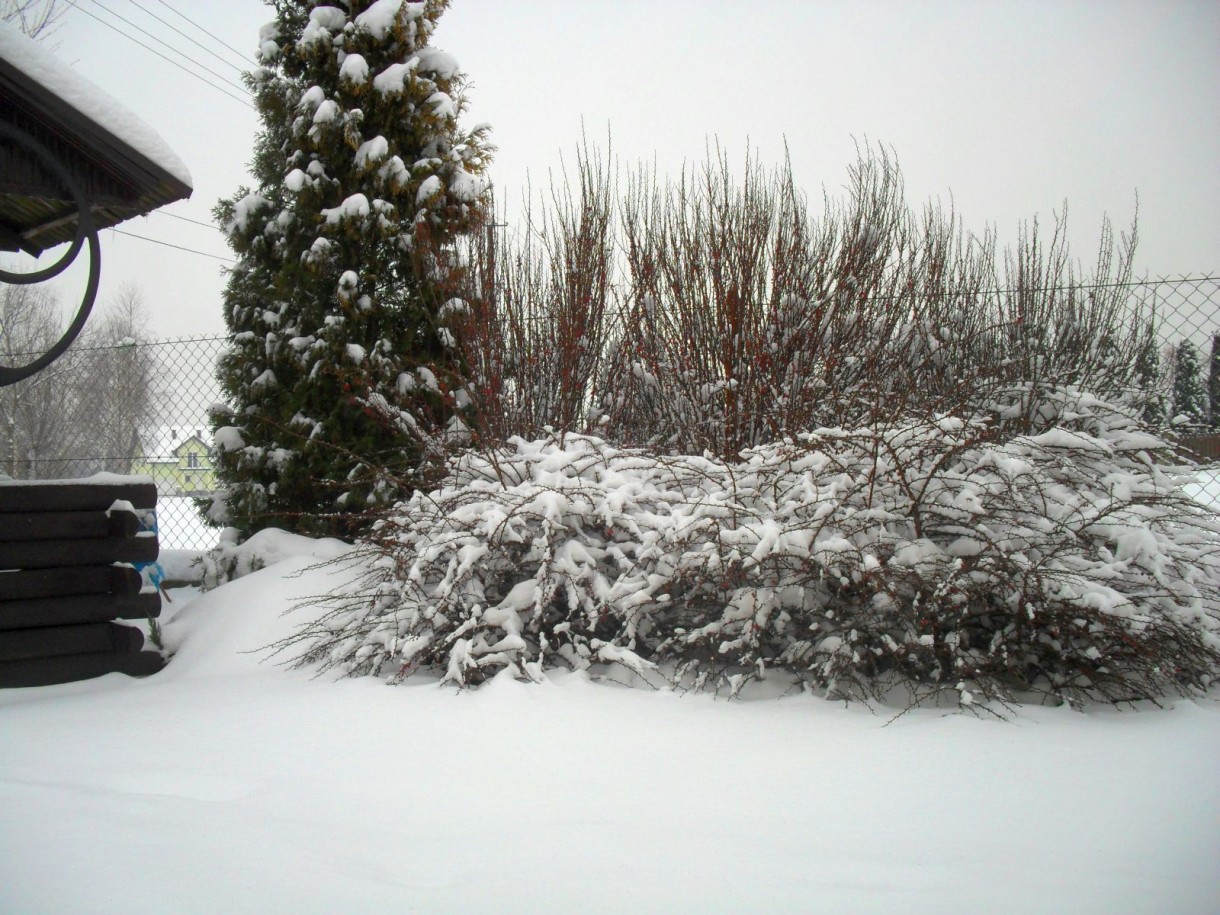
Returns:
point(229, 560)
point(959, 555)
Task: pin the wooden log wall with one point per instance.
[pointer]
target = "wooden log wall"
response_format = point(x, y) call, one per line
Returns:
point(1201, 449)
point(66, 579)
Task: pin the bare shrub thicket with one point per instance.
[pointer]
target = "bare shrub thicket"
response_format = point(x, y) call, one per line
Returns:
point(715, 313)
point(545, 311)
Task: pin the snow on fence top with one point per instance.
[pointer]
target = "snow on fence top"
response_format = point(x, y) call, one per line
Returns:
point(45, 69)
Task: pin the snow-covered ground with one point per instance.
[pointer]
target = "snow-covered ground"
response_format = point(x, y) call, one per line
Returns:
point(227, 783)
point(180, 526)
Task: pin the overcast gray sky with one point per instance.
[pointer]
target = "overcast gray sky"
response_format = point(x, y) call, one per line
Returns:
point(1010, 108)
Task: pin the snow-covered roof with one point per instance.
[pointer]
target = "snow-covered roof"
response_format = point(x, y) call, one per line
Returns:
point(48, 71)
point(124, 167)
point(164, 442)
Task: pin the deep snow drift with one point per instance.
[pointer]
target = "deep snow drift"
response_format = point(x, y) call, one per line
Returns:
point(228, 784)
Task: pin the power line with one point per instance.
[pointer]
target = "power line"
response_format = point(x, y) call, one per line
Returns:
point(163, 43)
point(206, 225)
point(157, 241)
point(148, 12)
point(221, 41)
point(108, 25)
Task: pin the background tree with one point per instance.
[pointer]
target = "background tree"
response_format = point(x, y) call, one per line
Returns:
point(1148, 379)
point(118, 389)
point(86, 411)
point(35, 18)
point(1189, 392)
point(36, 418)
point(341, 369)
point(1213, 383)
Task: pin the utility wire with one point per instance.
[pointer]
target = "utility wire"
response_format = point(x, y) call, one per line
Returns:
point(203, 47)
point(163, 43)
point(74, 4)
point(157, 241)
point(221, 41)
point(206, 225)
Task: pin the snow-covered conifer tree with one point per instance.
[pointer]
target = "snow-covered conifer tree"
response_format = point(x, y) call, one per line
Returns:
point(1149, 381)
point(341, 372)
point(1213, 383)
point(1189, 392)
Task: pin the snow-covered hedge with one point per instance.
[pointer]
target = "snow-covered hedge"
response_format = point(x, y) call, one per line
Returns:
point(939, 553)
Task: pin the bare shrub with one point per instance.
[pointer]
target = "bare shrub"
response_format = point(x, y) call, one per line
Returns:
point(715, 313)
point(541, 311)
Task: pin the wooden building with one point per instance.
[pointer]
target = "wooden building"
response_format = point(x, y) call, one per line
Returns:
point(72, 161)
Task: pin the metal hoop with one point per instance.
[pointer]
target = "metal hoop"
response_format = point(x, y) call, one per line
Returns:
point(86, 230)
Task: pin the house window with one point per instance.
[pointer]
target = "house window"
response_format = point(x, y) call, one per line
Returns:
point(192, 460)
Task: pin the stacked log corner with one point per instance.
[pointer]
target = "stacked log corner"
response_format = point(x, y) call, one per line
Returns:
point(66, 579)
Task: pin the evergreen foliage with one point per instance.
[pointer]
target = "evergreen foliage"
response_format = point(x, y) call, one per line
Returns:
point(1213, 383)
point(1189, 393)
point(1148, 382)
point(341, 371)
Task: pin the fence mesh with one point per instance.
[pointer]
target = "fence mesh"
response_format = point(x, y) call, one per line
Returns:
point(142, 407)
point(1187, 315)
point(1186, 309)
point(134, 408)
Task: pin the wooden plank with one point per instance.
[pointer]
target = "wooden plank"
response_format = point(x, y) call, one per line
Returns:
point(51, 641)
point(79, 608)
point(123, 580)
point(73, 495)
point(1200, 449)
point(57, 554)
point(92, 525)
point(55, 641)
point(56, 582)
point(69, 668)
point(23, 585)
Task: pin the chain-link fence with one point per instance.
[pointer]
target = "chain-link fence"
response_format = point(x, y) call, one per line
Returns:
point(1186, 309)
point(1187, 315)
point(142, 407)
point(133, 408)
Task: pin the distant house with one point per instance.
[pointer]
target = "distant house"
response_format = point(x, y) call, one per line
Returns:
point(179, 461)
